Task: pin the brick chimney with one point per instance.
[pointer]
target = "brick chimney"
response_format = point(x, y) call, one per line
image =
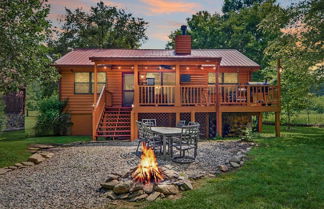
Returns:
point(183, 42)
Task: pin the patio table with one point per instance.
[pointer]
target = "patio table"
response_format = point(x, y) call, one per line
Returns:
point(166, 132)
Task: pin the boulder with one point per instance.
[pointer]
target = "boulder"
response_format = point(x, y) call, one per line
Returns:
point(148, 188)
point(235, 159)
point(123, 196)
point(167, 189)
point(241, 162)
point(138, 198)
point(36, 158)
point(19, 165)
point(109, 185)
point(112, 177)
point(135, 194)
point(223, 168)
point(28, 163)
point(153, 196)
point(42, 146)
point(185, 185)
point(122, 187)
point(170, 173)
point(12, 167)
point(4, 170)
point(111, 195)
point(234, 164)
point(135, 187)
point(46, 154)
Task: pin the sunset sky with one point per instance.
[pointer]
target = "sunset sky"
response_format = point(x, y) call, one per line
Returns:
point(163, 16)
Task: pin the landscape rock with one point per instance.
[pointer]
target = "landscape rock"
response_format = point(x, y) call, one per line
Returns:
point(235, 165)
point(242, 162)
point(28, 163)
point(235, 159)
point(185, 185)
point(112, 177)
point(135, 187)
point(223, 168)
point(36, 158)
point(4, 170)
point(46, 154)
point(123, 196)
point(137, 193)
point(122, 187)
point(170, 173)
point(138, 198)
point(167, 189)
point(109, 185)
point(153, 196)
point(12, 167)
point(111, 195)
point(42, 146)
point(196, 176)
point(19, 165)
point(148, 188)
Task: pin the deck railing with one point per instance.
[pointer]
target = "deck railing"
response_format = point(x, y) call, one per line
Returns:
point(97, 112)
point(205, 95)
point(157, 95)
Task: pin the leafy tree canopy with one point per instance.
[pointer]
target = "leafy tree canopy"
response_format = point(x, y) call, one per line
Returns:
point(23, 55)
point(236, 5)
point(103, 27)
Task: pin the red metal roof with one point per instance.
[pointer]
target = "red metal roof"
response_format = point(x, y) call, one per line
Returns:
point(229, 57)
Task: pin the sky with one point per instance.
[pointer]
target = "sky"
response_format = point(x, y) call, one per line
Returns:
point(163, 16)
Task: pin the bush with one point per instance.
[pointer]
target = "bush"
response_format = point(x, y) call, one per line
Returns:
point(3, 119)
point(52, 119)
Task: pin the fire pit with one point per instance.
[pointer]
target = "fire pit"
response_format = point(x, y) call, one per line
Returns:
point(146, 182)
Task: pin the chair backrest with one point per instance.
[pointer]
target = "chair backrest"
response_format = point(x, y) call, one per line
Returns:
point(192, 123)
point(149, 122)
point(147, 132)
point(190, 134)
point(140, 129)
point(181, 123)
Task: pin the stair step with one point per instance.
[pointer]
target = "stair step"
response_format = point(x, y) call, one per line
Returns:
point(113, 135)
point(112, 126)
point(113, 131)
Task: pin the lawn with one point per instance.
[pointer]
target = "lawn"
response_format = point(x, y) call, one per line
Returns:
point(301, 118)
point(286, 172)
point(13, 145)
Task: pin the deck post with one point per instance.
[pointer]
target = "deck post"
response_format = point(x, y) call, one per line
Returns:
point(178, 117)
point(219, 124)
point(260, 122)
point(277, 123)
point(95, 85)
point(134, 118)
point(193, 116)
point(177, 87)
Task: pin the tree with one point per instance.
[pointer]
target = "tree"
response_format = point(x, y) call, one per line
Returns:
point(238, 30)
point(24, 54)
point(103, 27)
point(299, 55)
point(236, 5)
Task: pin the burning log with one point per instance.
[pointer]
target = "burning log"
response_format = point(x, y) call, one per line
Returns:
point(147, 170)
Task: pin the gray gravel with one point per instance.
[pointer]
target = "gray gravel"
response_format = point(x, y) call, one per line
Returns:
point(71, 179)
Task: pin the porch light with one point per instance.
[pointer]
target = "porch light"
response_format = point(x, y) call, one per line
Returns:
point(187, 68)
point(173, 68)
point(142, 76)
point(145, 67)
point(201, 67)
point(105, 67)
point(119, 67)
point(132, 105)
point(160, 67)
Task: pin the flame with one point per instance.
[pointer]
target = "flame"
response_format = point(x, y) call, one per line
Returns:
point(147, 170)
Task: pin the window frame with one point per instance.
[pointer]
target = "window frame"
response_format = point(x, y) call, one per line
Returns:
point(90, 83)
point(222, 78)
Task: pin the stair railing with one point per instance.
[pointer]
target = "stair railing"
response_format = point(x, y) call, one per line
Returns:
point(97, 112)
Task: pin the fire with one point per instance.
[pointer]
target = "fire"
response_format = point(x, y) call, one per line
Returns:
point(147, 170)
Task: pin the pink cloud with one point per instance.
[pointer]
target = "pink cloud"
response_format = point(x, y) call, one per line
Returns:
point(167, 7)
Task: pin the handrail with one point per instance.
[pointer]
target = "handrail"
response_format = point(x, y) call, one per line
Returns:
point(97, 112)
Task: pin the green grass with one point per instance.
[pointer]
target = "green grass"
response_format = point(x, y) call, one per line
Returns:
point(286, 172)
point(301, 118)
point(14, 144)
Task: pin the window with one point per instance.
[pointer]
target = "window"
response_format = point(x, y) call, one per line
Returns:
point(230, 78)
point(160, 78)
point(84, 82)
point(212, 78)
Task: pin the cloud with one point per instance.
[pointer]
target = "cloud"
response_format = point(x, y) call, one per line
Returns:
point(167, 7)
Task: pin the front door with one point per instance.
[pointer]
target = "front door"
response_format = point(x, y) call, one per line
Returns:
point(128, 89)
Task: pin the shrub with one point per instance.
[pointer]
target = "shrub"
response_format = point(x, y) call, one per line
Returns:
point(3, 119)
point(52, 119)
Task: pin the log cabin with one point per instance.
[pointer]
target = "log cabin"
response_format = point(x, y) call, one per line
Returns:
point(108, 90)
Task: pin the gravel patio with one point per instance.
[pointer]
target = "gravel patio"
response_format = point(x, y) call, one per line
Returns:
point(71, 179)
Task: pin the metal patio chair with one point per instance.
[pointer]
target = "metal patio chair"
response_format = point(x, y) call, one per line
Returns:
point(181, 123)
point(151, 122)
point(188, 141)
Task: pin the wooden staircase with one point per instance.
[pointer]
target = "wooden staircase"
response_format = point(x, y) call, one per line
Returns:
point(115, 123)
